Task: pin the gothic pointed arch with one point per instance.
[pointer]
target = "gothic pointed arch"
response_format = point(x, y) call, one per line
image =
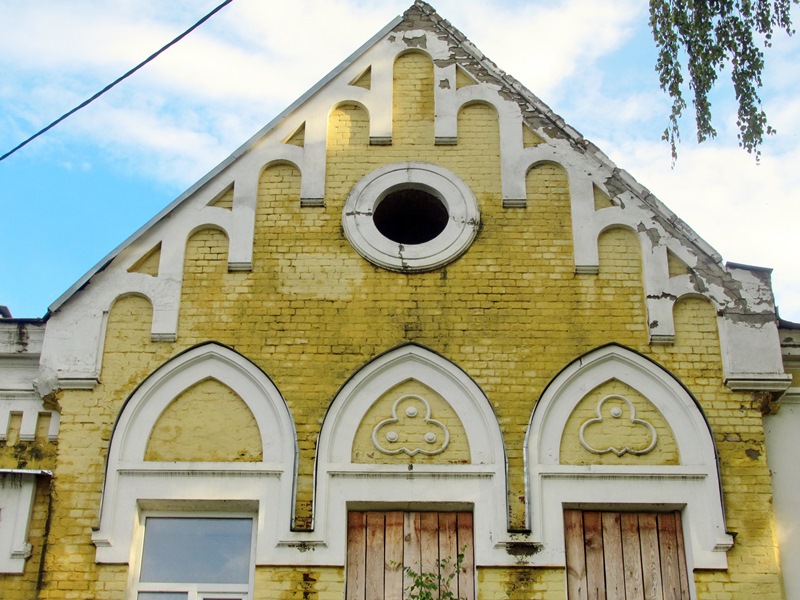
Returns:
point(477, 484)
point(135, 482)
point(411, 363)
point(689, 483)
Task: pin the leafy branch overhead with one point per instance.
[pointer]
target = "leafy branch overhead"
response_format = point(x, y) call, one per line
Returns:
point(710, 35)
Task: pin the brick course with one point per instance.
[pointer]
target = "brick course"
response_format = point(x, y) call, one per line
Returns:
point(511, 312)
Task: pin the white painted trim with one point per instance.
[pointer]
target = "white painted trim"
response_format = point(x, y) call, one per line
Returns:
point(782, 449)
point(461, 229)
point(759, 383)
point(693, 486)
point(243, 149)
point(130, 480)
point(31, 406)
point(617, 413)
point(16, 506)
point(430, 369)
point(480, 485)
point(392, 436)
point(78, 383)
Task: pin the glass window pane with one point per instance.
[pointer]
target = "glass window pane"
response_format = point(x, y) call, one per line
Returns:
point(163, 595)
point(196, 550)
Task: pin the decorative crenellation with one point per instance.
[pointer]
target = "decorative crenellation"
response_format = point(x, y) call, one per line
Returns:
point(30, 407)
point(735, 291)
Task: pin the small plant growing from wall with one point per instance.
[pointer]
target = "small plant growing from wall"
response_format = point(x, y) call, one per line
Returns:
point(437, 584)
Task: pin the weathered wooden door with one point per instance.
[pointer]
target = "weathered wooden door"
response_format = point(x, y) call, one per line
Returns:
point(381, 544)
point(625, 556)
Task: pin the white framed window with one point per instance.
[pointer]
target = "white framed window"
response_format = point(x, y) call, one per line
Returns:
point(691, 487)
point(135, 486)
point(196, 556)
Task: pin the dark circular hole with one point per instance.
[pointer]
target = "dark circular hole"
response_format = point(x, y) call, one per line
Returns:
point(410, 216)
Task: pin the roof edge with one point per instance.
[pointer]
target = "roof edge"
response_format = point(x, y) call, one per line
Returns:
point(240, 151)
point(575, 137)
point(735, 265)
point(791, 325)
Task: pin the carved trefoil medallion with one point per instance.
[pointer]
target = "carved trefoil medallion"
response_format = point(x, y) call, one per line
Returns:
point(615, 411)
point(411, 429)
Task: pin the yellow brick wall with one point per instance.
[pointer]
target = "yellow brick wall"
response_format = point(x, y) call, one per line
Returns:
point(224, 200)
point(304, 583)
point(87, 419)
point(516, 583)
point(601, 199)
point(511, 312)
point(209, 422)
point(35, 454)
point(738, 433)
point(149, 263)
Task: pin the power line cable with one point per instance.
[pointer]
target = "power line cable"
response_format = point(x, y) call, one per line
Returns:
point(118, 80)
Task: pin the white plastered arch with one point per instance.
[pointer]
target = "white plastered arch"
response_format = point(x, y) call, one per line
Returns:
point(480, 485)
point(133, 484)
point(392, 368)
point(692, 487)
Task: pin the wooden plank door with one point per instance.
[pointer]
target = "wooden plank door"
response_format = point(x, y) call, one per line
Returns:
point(625, 556)
point(381, 544)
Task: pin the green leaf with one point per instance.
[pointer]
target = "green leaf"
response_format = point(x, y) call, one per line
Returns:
point(711, 35)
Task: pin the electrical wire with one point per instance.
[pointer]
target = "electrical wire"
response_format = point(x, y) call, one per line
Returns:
point(118, 80)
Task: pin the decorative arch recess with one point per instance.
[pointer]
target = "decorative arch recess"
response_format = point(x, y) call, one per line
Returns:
point(133, 484)
point(693, 486)
point(479, 486)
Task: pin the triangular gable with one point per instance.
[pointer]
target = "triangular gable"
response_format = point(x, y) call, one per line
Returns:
point(741, 295)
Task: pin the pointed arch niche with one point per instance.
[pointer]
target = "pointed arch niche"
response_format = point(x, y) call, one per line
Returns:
point(476, 483)
point(134, 483)
point(691, 486)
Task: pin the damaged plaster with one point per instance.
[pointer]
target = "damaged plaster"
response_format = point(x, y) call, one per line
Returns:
point(741, 295)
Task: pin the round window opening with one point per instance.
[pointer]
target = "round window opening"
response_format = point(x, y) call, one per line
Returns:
point(410, 216)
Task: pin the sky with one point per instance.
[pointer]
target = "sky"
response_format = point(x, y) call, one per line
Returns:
point(70, 197)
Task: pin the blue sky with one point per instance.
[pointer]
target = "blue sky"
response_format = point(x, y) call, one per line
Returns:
point(73, 195)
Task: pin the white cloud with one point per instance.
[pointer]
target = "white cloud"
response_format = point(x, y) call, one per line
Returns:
point(743, 209)
point(202, 98)
point(546, 44)
point(139, 138)
point(177, 118)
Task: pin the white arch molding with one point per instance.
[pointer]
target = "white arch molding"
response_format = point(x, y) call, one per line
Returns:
point(479, 486)
point(133, 484)
point(692, 486)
